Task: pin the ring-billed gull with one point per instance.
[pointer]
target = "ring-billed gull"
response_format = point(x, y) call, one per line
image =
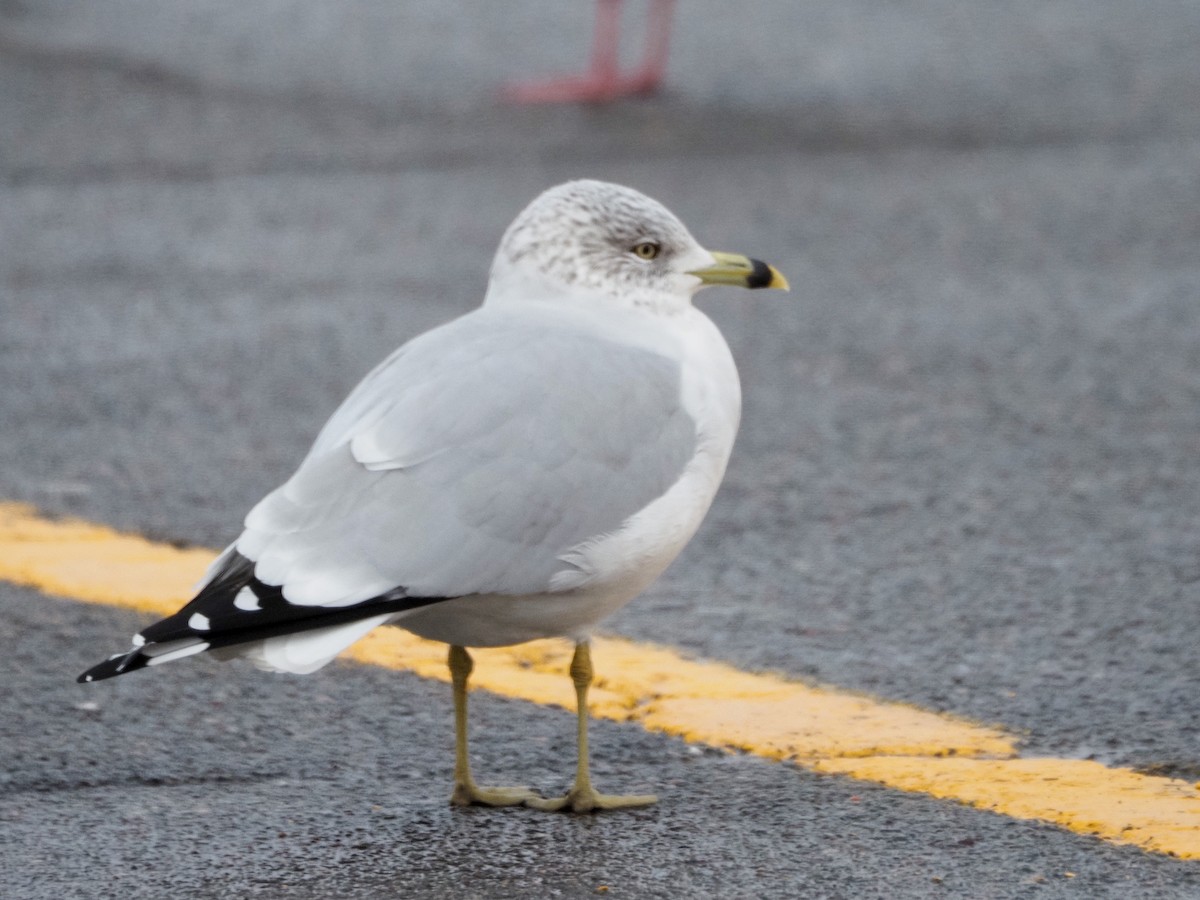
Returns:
point(518, 473)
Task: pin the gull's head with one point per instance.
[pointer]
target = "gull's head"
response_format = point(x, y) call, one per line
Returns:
point(591, 239)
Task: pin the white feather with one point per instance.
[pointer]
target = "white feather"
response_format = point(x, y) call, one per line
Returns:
point(306, 651)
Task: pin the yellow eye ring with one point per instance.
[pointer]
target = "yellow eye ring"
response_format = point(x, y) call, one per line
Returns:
point(646, 250)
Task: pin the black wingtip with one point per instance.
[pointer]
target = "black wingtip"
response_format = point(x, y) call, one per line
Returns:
point(114, 666)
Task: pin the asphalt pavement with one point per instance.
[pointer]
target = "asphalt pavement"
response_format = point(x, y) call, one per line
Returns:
point(966, 477)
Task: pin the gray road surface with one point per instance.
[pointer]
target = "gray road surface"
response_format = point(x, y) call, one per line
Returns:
point(967, 475)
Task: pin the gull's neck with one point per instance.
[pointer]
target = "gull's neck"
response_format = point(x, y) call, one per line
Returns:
point(513, 284)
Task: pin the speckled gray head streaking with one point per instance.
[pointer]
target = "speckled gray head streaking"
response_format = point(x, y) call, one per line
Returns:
point(582, 233)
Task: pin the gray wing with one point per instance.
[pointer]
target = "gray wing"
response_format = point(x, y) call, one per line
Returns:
point(470, 461)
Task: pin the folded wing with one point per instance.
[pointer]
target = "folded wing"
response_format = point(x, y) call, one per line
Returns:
point(457, 467)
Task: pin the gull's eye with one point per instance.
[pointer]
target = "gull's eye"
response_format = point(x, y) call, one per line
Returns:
point(646, 250)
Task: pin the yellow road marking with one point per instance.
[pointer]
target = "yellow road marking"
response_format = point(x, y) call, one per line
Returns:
point(820, 728)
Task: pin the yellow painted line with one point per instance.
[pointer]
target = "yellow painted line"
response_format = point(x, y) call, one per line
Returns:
point(820, 728)
point(1159, 814)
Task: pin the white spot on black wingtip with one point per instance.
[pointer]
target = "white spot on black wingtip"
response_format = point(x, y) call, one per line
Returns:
point(139, 641)
point(247, 601)
point(88, 678)
point(199, 622)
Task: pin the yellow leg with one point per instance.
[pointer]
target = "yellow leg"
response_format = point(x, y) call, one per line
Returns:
point(466, 791)
point(582, 797)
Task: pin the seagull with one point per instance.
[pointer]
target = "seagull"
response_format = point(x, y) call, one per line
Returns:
point(520, 472)
point(604, 82)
